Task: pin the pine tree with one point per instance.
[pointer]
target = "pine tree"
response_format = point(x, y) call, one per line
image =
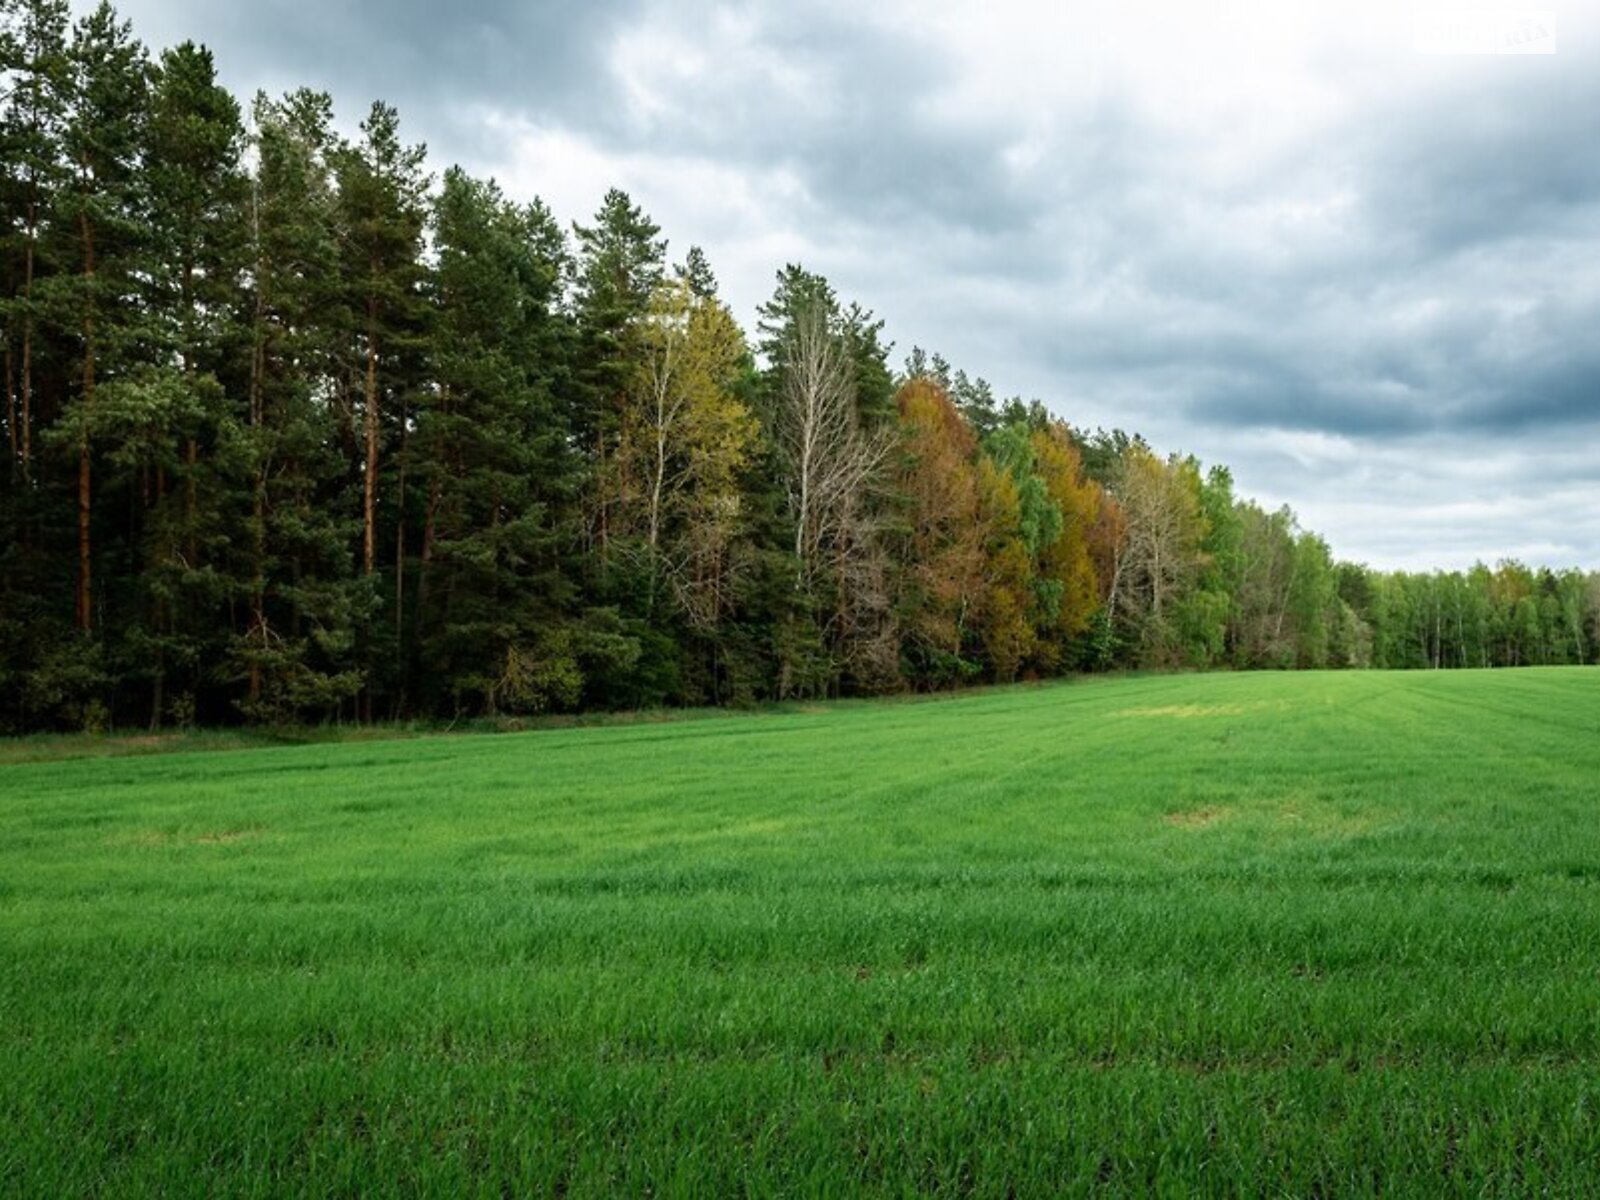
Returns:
point(695, 270)
point(620, 261)
point(36, 566)
point(382, 211)
point(296, 653)
point(104, 205)
point(175, 407)
point(32, 128)
point(492, 458)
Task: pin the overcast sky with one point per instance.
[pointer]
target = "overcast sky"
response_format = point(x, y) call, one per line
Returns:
point(1276, 235)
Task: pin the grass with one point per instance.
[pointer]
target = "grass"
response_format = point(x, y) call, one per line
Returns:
point(124, 743)
point(1311, 934)
point(50, 747)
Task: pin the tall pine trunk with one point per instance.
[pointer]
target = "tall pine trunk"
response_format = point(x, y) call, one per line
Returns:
point(400, 576)
point(14, 466)
point(425, 561)
point(370, 474)
point(258, 501)
point(85, 495)
point(11, 409)
point(191, 450)
point(160, 619)
point(27, 349)
point(370, 471)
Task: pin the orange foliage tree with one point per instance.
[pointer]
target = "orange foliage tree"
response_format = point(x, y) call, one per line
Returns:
point(942, 556)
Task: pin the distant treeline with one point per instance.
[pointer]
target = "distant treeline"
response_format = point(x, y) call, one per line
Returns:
point(296, 432)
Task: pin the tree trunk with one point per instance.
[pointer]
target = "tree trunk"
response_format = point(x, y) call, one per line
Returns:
point(1116, 581)
point(369, 533)
point(655, 491)
point(82, 614)
point(11, 409)
point(191, 450)
point(158, 692)
point(426, 559)
point(803, 516)
point(370, 474)
point(191, 459)
point(83, 609)
point(27, 351)
point(429, 519)
point(400, 549)
point(258, 500)
point(1156, 583)
point(13, 435)
point(602, 527)
point(258, 597)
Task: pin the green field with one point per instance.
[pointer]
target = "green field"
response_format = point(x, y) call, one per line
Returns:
point(1298, 934)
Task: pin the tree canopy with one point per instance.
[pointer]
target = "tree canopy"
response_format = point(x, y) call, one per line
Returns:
point(298, 430)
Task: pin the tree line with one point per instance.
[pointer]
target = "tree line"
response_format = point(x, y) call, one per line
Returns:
point(296, 432)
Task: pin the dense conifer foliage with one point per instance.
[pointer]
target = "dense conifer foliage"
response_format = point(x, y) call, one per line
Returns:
point(297, 431)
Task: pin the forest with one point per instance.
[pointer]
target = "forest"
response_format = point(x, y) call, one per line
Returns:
point(298, 431)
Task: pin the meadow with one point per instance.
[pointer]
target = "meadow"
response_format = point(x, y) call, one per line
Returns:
point(1256, 934)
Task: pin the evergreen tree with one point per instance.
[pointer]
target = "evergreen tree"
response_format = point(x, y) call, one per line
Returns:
point(32, 131)
point(175, 414)
point(104, 206)
point(620, 261)
point(695, 270)
point(492, 458)
point(45, 673)
point(381, 213)
point(296, 653)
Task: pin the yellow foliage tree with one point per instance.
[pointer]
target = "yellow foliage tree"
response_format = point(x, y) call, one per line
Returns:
point(1005, 622)
point(686, 435)
point(1067, 561)
point(942, 568)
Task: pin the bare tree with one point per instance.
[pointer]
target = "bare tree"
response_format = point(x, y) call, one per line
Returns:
point(664, 403)
point(832, 467)
point(704, 567)
point(1160, 554)
point(831, 461)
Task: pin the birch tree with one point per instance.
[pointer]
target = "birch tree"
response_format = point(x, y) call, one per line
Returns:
point(831, 467)
point(1161, 551)
point(686, 436)
point(830, 460)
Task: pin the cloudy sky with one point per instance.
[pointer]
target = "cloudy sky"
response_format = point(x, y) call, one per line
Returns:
point(1277, 235)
